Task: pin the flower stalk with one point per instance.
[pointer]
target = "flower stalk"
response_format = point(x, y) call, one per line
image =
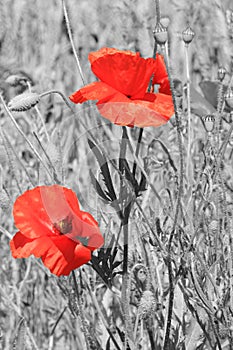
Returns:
point(72, 42)
point(178, 208)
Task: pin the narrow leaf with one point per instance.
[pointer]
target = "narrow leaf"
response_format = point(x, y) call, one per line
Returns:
point(98, 188)
point(104, 169)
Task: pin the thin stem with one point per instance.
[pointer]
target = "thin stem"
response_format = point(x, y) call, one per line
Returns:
point(43, 123)
point(24, 136)
point(137, 150)
point(178, 207)
point(188, 168)
point(49, 160)
point(125, 277)
point(81, 315)
point(4, 136)
point(57, 321)
point(72, 42)
point(39, 114)
point(148, 90)
point(103, 319)
point(157, 5)
point(219, 109)
point(62, 96)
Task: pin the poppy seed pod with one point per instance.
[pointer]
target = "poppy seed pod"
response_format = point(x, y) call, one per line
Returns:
point(221, 73)
point(229, 99)
point(209, 121)
point(188, 35)
point(160, 34)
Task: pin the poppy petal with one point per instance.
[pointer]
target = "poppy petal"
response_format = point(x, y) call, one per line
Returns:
point(91, 230)
point(127, 73)
point(155, 111)
point(65, 255)
point(108, 51)
point(59, 254)
point(36, 210)
point(22, 246)
point(160, 72)
point(165, 87)
point(95, 91)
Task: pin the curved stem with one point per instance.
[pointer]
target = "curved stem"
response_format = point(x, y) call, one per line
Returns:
point(62, 96)
point(24, 136)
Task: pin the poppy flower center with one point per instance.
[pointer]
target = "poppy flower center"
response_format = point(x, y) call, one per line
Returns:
point(83, 240)
point(64, 226)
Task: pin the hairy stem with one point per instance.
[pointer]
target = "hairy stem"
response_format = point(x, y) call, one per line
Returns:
point(157, 6)
point(188, 168)
point(178, 207)
point(125, 277)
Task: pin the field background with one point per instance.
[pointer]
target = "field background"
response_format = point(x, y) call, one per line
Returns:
point(34, 42)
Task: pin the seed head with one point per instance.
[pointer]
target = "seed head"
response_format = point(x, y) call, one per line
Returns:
point(147, 304)
point(209, 121)
point(188, 35)
point(160, 33)
point(221, 73)
point(229, 99)
point(24, 102)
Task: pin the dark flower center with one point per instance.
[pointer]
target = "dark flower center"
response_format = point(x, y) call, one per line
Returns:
point(83, 240)
point(64, 226)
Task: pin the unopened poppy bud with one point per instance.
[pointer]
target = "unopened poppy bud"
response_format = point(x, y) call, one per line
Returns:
point(188, 35)
point(209, 121)
point(24, 101)
point(14, 80)
point(221, 73)
point(147, 304)
point(229, 99)
point(160, 33)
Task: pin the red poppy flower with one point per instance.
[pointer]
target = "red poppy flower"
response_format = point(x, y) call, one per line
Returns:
point(122, 90)
point(52, 227)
